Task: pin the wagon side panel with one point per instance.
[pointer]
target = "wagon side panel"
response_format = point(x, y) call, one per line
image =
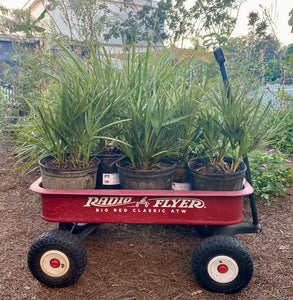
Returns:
point(208, 210)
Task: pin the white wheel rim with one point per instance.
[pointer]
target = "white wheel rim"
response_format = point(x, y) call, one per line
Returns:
point(54, 263)
point(223, 269)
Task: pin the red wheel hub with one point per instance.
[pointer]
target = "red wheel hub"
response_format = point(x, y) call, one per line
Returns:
point(55, 263)
point(222, 269)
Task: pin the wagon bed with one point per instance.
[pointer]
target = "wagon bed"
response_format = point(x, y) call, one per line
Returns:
point(220, 263)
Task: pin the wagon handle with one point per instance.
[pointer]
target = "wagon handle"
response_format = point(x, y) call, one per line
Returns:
point(220, 58)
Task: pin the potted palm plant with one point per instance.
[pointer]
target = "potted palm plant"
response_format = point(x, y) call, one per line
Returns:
point(186, 132)
point(149, 136)
point(229, 131)
point(187, 99)
point(66, 127)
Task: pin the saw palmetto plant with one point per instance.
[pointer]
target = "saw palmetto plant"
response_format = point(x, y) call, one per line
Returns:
point(234, 127)
point(77, 112)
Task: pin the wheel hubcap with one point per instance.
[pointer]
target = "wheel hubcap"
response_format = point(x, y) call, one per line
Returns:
point(223, 269)
point(54, 263)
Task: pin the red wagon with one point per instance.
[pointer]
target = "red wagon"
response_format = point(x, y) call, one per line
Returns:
point(220, 262)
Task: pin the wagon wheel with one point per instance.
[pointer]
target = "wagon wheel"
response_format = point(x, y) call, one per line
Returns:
point(74, 227)
point(222, 264)
point(57, 258)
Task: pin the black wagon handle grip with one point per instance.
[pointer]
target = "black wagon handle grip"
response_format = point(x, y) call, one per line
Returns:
point(219, 55)
point(220, 58)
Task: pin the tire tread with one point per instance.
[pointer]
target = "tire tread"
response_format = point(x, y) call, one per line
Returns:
point(63, 241)
point(221, 245)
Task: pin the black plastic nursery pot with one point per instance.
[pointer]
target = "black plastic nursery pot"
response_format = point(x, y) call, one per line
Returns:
point(83, 178)
point(216, 182)
point(133, 179)
point(181, 177)
point(108, 176)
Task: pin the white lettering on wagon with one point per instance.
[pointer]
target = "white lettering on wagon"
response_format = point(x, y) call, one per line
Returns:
point(179, 203)
point(157, 203)
point(107, 201)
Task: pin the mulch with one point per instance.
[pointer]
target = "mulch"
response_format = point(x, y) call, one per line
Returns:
point(134, 261)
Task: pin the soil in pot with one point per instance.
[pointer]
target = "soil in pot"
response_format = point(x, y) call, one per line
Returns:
point(202, 180)
point(160, 177)
point(67, 178)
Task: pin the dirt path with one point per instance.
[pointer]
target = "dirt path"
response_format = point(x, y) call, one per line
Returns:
point(131, 262)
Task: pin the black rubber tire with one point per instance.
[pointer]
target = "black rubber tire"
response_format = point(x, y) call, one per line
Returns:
point(220, 251)
point(63, 247)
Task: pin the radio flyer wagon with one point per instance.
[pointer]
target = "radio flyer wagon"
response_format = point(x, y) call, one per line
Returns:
point(220, 263)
